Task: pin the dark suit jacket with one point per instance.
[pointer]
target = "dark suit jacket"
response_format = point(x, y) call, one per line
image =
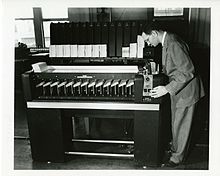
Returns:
point(185, 86)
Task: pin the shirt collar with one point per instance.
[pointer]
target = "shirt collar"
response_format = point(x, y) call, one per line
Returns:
point(163, 38)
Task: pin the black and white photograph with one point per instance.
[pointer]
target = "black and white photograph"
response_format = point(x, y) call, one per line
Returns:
point(98, 88)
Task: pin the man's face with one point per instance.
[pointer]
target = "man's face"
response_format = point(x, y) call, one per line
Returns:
point(151, 39)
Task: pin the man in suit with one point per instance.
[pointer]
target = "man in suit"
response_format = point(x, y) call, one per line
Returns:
point(185, 87)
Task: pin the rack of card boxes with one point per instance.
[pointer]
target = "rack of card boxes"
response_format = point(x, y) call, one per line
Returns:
point(96, 40)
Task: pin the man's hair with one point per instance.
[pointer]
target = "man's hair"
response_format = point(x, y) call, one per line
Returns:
point(153, 25)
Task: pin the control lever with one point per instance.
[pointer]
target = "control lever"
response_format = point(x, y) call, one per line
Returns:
point(40, 84)
point(92, 85)
point(70, 84)
point(129, 86)
point(99, 86)
point(107, 85)
point(114, 85)
point(52, 86)
point(84, 84)
point(60, 86)
point(122, 85)
point(77, 84)
point(45, 87)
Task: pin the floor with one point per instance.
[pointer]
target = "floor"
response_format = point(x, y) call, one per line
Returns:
point(197, 159)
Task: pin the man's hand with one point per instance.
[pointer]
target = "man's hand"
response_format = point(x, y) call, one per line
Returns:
point(158, 91)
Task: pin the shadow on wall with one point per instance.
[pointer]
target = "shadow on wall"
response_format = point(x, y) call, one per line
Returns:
point(201, 58)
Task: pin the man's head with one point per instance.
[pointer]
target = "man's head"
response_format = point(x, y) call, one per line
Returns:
point(151, 39)
point(152, 34)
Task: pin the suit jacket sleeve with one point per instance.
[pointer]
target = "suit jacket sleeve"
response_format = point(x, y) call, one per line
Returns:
point(180, 69)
